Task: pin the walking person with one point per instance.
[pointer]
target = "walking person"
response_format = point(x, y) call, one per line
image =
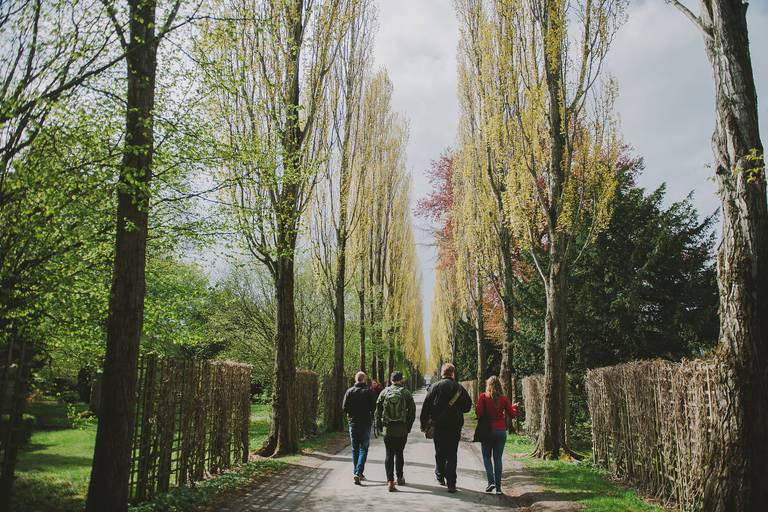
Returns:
point(359, 404)
point(494, 404)
point(395, 413)
point(376, 387)
point(445, 405)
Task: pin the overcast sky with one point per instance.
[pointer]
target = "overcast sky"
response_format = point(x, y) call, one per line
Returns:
point(666, 98)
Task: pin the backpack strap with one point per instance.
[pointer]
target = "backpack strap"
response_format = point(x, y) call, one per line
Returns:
point(450, 404)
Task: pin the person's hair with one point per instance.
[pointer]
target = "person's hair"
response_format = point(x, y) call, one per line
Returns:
point(448, 370)
point(360, 377)
point(493, 389)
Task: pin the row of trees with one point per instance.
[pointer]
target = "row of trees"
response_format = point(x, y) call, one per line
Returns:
point(537, 174)
point(645, 288)
point(269, 112)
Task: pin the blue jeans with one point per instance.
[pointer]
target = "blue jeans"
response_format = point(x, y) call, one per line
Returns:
point(446, 455)
point(361, 439)
point(494, 449)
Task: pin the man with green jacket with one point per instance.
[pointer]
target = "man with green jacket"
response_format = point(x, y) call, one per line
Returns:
point(395, 412)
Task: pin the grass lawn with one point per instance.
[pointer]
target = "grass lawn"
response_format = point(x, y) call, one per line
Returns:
point(53, 470)
point(586, 485)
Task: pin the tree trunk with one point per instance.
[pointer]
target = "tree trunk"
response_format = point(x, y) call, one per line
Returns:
point(552, 433)
point(13, 401)
point(283, 437)
point(737, 472)
point(361, 295)
point(108, 489)
point(336, 412)
point(507, 300)
point(507, 382)
point(480, 335)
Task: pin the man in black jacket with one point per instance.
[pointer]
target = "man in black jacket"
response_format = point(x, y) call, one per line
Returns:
point(359, 404)
point(446, 403)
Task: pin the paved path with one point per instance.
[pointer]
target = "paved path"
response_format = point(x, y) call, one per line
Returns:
point(324, 482)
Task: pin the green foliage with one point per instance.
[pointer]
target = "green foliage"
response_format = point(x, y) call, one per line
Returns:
point(237, 322)
point(80, 420)
point(646, 288)
point(27, 425)
point(466, 353)
point(177, 297)
point(756, 173)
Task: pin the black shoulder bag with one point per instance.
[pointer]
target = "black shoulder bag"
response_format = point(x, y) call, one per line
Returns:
point(483, 429)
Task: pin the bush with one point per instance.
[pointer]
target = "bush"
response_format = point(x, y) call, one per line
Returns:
point(27, 426)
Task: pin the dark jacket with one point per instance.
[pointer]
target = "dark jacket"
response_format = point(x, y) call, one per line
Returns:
point(438, 397)
point(359, 404)
point(396, 429)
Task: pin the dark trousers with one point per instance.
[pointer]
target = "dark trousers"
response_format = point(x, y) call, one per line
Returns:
point(446, 454)
point(393, 460)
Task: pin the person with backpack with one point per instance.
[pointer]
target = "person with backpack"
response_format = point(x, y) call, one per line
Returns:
point(395, 412)
point(445, 405)
point(359, 404)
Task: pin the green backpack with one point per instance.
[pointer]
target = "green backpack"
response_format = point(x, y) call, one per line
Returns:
point(395, 408)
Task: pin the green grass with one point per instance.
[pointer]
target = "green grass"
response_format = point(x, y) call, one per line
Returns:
point(261, 422)
point(53, 470)
point(581, 483)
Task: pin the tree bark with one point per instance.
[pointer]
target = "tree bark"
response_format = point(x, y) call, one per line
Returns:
point(361, 295)
point(283, 437)
point(737, 474)
point(552, 435)
point(336, 412)
point(505, 373)
point(507, 300)
point(108, 488)
point(480, 334)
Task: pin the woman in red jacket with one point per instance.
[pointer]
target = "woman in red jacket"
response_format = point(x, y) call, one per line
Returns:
point(494, 404)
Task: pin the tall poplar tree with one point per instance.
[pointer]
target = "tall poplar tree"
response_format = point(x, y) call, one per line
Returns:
point(562, 159)
point(268, 64)
point(384, 245)
point(737, 473)
point(338, 206)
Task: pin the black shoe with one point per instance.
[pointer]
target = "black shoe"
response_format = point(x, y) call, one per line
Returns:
point(357, 480)
point(490, 488)
point(440, 480)
point(451, 489)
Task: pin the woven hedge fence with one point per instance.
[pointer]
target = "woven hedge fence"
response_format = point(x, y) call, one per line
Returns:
point(652, 422)
point(471, 387)
point(192, 420)
point(533, 398)
point(307, 397)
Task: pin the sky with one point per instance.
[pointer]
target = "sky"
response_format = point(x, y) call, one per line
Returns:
point(666, 98)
